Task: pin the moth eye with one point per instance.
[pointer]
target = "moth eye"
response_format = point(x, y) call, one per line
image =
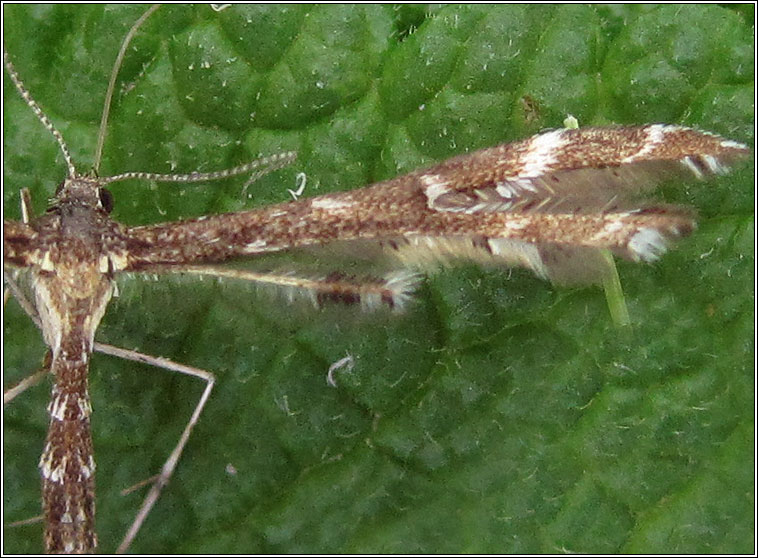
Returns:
point(106, 199)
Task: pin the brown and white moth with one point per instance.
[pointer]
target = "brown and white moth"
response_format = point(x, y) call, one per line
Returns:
point(548, 203)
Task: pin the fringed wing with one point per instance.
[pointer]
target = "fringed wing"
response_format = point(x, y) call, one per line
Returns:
point(578, 190)
point(548, 203)
point(582, 170)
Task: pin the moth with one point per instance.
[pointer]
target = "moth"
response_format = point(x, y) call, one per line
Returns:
point(549, 203)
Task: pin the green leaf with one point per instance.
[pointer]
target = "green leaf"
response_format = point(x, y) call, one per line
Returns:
point(499, 414)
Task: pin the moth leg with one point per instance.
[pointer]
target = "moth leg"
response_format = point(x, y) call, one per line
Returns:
point(30, 381)
point(168, 467)
point(36, 377)
point(29, 521)
point(393, 290)
point(20, 297)
point(26, 205)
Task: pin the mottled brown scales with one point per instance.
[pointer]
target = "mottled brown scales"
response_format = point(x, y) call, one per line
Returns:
point(72, 288)
point(400, 207)
point(67, 463)
point(549, 203)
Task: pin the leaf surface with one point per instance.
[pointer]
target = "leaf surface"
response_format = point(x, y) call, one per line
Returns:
point(499, 414)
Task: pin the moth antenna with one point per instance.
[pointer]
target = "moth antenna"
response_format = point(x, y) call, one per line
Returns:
point(112, 85)
point(261, 166)
point(41, 116)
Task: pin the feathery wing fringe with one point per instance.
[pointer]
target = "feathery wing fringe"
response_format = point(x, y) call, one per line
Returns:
point(541, 202)
point(577, 170)
point(393, 290)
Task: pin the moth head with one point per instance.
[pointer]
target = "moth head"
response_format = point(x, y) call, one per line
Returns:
point(82, 192)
